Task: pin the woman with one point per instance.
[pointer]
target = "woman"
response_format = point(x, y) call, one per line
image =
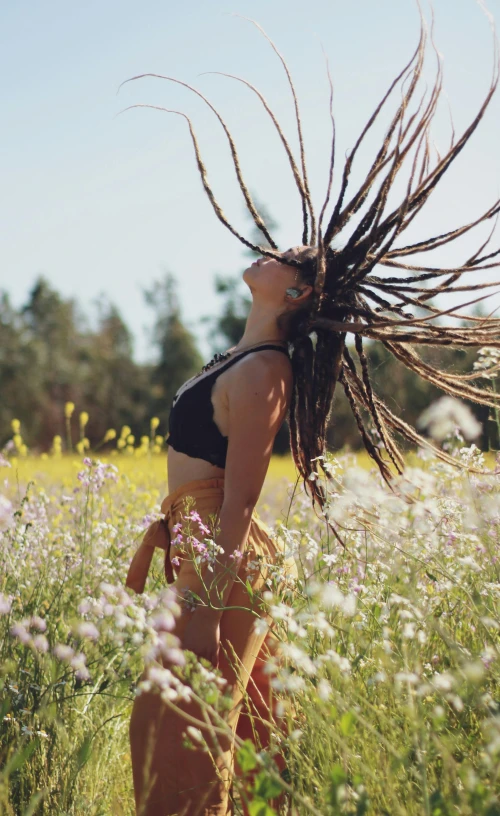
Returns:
point(312, 297)
point(223, 424)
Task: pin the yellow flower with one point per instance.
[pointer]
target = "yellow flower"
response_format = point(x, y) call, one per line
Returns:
point(15, 425)
point(86, 443)
point(130, 439)
point(80, 447)
point(156, 449)
point(109, 435)
point(120, 444)
point(57, 440)
point(23, 450)
point(125, 431)
point(68, 409)
point(154, 423)
point(145, 441)
point(17, 440)
point(159, 440)
point(84, 418)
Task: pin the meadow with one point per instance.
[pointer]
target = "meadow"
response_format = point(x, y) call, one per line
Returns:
point(388, 683)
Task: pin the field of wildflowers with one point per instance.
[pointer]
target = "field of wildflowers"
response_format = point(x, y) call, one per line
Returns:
point(388, 683)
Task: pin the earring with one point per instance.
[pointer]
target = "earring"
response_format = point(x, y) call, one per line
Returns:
point(293, 293)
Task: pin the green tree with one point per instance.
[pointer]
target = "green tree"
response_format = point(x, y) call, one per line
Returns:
point(116, 390)
point(178, 355)
point(36, 372)
point(17, 389)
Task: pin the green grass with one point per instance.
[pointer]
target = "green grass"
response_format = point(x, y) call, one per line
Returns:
point(388, 683)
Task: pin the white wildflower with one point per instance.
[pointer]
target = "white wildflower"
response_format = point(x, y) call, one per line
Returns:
point(443, 681)
point(260, 626)
point(324, 689)
point(407, 677)
point(5, 604)
point(441, 418)
point(195, 734)
point(86, 629)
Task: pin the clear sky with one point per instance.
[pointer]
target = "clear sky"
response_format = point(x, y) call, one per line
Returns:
point(104, 203)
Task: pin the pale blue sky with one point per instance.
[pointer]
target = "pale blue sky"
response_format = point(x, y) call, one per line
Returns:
point(103, 203)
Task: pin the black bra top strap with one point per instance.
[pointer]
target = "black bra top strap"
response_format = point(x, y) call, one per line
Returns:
point(234, 360)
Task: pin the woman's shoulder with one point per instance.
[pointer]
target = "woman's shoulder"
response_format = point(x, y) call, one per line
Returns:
point(265, 360)
point(265, 368)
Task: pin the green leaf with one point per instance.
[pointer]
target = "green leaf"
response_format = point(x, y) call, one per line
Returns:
point(337, 775)
point(265, 787)
point(34, 802)
point(84, 752)
point(19, 758)
point(249, 588)
point(431, 576)
point(246, 756)
point(258, 807)
point(347, 721)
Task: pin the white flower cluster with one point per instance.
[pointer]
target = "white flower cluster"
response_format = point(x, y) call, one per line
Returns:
point(488, 361)
point(441, 419)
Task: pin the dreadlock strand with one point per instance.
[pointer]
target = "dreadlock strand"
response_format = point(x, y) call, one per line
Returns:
point(295, 170)
point(371, 449)
point(410, 434)
point(428, 185)
point(259, 223)
point(384, 156)
point(444, 287)
point(421, 195)
point(428, 272)
point(440, 240)
point(334, 226)
point(203, 174)
point(397, 460)
point(362, 396)
point(440, 379)
point(299, 130)
point(332, 155)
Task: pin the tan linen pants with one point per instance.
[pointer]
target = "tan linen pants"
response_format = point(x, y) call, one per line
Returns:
point(168, 777)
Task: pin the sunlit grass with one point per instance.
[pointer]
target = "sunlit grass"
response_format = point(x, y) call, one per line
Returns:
point(147, 469)
point(389, 683)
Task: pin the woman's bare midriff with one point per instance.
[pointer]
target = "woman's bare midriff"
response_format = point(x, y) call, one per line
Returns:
point(183, 469)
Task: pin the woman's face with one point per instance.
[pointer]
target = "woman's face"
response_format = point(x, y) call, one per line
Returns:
point(270, 278)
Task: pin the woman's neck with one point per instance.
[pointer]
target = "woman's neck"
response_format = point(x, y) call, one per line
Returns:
point(261, 325)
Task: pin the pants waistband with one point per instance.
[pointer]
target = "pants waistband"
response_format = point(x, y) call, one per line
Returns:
point(158, 533)
point(196, 488)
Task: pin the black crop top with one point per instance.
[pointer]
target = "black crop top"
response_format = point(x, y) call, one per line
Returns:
point(191, 426)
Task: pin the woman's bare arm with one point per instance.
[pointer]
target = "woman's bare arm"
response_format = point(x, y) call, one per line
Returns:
point(257, 400)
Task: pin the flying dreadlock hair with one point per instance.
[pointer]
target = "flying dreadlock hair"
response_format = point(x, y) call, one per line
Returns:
point(348, 296)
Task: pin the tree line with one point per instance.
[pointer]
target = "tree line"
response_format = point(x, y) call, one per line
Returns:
point(51, 355)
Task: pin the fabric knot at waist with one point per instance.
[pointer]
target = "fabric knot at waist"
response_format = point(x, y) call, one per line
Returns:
point(158, 533)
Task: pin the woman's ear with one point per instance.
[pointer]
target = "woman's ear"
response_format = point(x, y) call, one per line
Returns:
point(298, 294)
